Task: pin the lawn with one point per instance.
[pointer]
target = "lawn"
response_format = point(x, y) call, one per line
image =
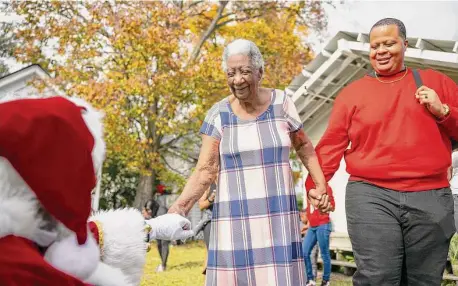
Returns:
point(185, 268)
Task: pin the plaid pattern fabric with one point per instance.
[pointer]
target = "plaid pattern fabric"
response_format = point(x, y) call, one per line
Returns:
point(255, 237)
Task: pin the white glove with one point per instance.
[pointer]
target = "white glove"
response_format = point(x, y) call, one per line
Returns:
point(170, 227)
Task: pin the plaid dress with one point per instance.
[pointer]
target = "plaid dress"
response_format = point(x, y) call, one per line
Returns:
point(255, 236)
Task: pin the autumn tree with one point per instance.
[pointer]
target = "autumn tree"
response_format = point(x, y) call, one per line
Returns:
point(154, 67)
point(7, 45)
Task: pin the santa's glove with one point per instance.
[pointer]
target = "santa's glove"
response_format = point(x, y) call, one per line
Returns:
point(170, 227)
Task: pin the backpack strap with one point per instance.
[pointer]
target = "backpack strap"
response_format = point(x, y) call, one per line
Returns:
point(417, 77)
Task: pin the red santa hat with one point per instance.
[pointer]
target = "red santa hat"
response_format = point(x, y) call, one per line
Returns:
point(49, 145)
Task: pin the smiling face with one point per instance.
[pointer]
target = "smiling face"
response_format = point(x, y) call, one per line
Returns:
point(243, 79)
point(387, 49)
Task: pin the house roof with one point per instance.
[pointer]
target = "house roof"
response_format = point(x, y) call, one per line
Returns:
point(24, 72)
point(345, 59)
point(24, 76)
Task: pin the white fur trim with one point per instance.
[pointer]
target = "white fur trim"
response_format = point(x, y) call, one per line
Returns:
point(77, 260)
point(124, 244)
point(105, 275)
point(93, 119)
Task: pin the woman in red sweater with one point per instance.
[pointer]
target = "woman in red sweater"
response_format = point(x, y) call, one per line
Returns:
point(398, 202)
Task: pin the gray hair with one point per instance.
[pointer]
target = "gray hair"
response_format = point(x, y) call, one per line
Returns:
point(393, 21)
point(243, 47)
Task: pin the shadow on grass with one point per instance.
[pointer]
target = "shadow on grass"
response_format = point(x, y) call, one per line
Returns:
point(185, 265)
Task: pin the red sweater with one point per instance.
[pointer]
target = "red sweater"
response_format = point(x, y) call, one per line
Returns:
point(315, 217)
point(395, 142)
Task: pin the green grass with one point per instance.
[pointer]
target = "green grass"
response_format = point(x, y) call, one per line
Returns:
point(185, 267)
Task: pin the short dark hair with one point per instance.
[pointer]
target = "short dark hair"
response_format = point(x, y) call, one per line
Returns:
point(152, 206)
point(392, 21)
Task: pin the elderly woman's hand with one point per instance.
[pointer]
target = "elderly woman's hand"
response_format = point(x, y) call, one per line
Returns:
point(320, 199)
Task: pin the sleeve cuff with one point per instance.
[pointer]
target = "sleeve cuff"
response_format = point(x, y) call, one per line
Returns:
point(445, 119)
point(309, 184)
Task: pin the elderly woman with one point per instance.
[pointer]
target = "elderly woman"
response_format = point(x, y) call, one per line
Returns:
point(246, 138)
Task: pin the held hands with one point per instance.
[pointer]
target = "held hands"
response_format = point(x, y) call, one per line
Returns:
point(211, 199)
point(320, 199)
point(428, 97)
point(170, 226)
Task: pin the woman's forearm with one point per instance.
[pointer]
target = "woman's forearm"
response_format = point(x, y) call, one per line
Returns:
point(199, 181)
point(314, 168)
point(307, 155)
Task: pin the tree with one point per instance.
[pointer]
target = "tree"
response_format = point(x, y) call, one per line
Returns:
point(118, 185)
point(7, 40)
point(154, 67)
point(6, 46)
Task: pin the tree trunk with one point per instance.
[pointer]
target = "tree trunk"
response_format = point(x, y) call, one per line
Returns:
point(144, 190)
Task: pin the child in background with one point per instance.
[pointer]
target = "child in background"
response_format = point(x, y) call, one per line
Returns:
point(314, 255)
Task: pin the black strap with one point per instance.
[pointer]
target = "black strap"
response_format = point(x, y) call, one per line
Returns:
point(416, 76)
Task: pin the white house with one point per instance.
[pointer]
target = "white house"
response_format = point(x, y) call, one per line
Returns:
point(18, 82)
point(343, 60)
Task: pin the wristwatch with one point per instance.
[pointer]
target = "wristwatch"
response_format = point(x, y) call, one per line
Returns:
point(445, 111)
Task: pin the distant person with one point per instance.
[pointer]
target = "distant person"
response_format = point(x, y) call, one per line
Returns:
point(319, 231)
point(152, 209)
point(314, 254)
point(149, 210)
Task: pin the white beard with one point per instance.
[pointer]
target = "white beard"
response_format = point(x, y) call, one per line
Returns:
point(19, 207)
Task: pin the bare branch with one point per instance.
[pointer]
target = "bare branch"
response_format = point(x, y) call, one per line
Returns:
point(208, 32)
point(179, 152)
point(170, 167)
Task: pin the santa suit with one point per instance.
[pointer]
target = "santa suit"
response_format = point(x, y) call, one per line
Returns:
point(49, 151)
point(21, 263)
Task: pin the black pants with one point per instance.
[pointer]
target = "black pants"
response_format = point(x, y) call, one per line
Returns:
point(163, 248)
point(207, 231)
point(399, 238)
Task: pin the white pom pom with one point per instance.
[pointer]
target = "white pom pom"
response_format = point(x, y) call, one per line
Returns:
point(77, 260)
